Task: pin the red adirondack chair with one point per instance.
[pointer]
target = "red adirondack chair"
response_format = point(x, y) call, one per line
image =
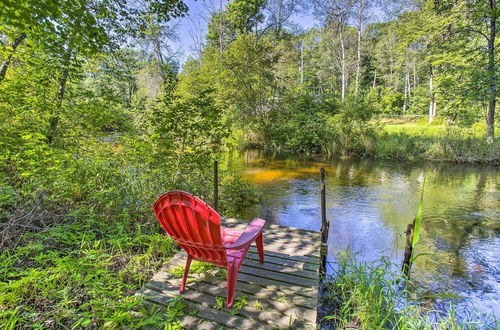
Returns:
point(196, 227)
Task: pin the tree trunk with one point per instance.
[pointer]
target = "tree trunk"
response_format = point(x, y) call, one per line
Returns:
point(490, 117)
point(5, 65)
point(302, 62)
point(405, 97)
point(414, 73)
point(342, 61)
point(358, 62)
point(280, 18)
point(358, 65)
point(221, 36)
point(374, 79)
point(408, 82)
point(432, 102)
point(56, 114)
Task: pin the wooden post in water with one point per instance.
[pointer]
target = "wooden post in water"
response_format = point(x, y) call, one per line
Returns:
point(408, 250)
point(216, 185)
point(325, 225)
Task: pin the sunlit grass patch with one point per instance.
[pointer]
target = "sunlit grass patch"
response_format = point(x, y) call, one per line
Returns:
point(80, 274)
point(415, 140)
point(197, 268)
point(416, 129)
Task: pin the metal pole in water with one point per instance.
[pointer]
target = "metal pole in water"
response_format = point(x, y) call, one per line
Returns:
point(325, 225)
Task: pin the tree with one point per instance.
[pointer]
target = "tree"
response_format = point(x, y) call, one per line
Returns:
point(72, 30)
point(361, 7)
point(279, 12)
point(483, 18)
point(240, 17)
point(336, 13)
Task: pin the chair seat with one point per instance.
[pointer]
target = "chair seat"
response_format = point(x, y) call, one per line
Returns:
point(229, 236)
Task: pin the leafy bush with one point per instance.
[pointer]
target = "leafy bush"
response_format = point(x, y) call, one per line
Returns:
point(236, 194)
point(312, 124)
point(299, 125)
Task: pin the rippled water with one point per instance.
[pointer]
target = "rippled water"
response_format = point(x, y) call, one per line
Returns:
point(370, 203)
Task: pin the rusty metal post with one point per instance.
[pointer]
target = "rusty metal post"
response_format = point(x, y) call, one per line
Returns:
point(216, 185)
point(325, 225)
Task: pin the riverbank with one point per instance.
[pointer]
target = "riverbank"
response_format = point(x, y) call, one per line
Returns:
point(375, 295)
point(434, 142)
point(383, 138)
point(86, 274)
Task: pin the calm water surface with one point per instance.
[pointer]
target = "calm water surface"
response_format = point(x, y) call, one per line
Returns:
point(370, 203)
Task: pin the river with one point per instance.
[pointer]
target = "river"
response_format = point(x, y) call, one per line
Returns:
point(369, 204)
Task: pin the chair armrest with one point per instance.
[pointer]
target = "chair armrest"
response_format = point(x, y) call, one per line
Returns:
point(246, 238)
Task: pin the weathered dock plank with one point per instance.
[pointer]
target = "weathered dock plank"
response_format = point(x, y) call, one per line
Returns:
point(281, 293)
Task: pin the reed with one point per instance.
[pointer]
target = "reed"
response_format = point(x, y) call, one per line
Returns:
point(371, 295)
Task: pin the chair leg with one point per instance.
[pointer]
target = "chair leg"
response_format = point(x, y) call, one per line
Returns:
point(232, 277)
point(186, 271)
point(260, 247)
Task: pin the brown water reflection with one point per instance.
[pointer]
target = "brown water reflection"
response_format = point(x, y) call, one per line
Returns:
point(369, 204)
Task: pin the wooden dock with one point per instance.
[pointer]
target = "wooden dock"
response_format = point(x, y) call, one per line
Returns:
point(281, 293)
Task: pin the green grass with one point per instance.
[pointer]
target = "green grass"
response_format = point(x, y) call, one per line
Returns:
point(415, 129)
point(419, 141)
point(372, 295)
point(83, 274)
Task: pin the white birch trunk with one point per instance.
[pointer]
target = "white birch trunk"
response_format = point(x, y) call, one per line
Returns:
point(342, 61)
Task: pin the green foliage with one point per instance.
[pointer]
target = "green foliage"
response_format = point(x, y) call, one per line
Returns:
point(435, 142)
point(244, 15)
point(197, 267)
point(82, 274)
point(385, 101)
point(239, 17)
point(350, 130)
point(308, 124)
point(368, 295)
point(91, 133)
point(239, 303)
point(97, 120)
point(236, 194)
point(300, 126)
point(418, 219)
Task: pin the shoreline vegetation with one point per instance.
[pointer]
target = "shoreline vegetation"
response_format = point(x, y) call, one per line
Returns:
point(400, 138)
point(376, 295)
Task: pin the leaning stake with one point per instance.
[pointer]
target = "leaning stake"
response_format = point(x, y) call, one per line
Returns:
point(408, 250)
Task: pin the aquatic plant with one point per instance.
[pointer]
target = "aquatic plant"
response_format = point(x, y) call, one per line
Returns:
point(371, 295)
point(414, 235)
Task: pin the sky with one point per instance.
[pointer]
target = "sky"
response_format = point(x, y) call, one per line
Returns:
point(194, 26)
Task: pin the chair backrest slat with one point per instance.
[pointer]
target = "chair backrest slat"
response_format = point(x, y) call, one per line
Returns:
point(193, 224)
